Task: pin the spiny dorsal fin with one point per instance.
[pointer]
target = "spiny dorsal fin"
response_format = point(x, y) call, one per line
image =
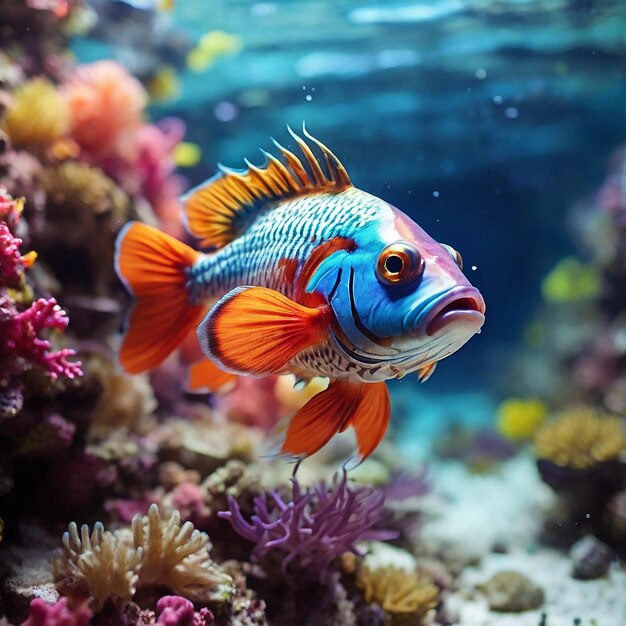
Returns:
point(220, 209)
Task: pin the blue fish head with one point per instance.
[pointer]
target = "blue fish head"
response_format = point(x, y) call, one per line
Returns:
point(398, 297)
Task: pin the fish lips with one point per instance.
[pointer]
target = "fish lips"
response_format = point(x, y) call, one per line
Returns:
point(459, 310)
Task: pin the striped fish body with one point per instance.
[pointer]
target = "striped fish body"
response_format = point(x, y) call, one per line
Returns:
point(307, 274)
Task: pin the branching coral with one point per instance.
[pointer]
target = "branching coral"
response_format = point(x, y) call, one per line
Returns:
point(177, 611)
point(581, 438)
point(37, 115)
point(22, 326)
point(177, 557)
point(104, 564)
point(318, 524)
point(406, 597)
point(106, 108)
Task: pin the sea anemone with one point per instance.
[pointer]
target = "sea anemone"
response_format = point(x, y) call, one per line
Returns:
point(406, 597)
point(312, 529)
point(105, 107)
point(102, 563)
point(177, 557)
point(158, 552)
point(581, 438)
point(37, 116)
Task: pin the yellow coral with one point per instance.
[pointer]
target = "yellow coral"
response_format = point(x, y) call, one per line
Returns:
point(581, 437)
point(406, 597)
point(103, 563)
point(177, 557)
point(519, 418)
point(37, 115)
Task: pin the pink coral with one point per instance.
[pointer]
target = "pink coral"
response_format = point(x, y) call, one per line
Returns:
point(11, 261)
point(177, 611)
point(59, 614)
point(19, 336)
point(106, 109)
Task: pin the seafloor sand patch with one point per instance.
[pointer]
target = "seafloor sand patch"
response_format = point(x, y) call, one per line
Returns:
point(507, 508)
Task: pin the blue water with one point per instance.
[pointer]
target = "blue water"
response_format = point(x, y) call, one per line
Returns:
point(484, 120)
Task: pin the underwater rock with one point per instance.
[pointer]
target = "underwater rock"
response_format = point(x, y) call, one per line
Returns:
point(591, 558)
point(28, 577)
point(615, 519)
point(511, 592)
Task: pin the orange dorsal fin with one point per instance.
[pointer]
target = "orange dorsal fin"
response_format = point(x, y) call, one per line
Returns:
point(153, 266)
point(219, 210)
point(257, 331)
point(342, 404)
point(205, 377)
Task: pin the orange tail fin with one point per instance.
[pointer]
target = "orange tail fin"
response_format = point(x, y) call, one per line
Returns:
point(153, 266)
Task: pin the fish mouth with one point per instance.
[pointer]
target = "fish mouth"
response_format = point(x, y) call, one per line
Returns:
point(459, 307)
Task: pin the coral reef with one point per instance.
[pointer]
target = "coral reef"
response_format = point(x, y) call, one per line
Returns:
point(43, 614)
point(519, 419)
point(309, 531)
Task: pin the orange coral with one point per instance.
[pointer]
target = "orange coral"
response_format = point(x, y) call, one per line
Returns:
point(106, 108)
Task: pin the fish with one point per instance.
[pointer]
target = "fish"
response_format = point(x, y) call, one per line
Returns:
point(299, 272)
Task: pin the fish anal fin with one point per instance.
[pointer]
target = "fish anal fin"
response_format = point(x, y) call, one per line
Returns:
point(205, 377)
point(218, 211)
point(372, 418)
point(257, 331)
point(322, 417)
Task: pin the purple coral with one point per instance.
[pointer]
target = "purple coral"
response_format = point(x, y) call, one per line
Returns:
point(177, 611)
point(315, 527)
point(58, 614)
point(11, 261)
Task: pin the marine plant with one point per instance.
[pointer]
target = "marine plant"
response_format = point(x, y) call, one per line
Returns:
point(37, 115)
point(580, 438)
point(406, 597)
point(307, 532)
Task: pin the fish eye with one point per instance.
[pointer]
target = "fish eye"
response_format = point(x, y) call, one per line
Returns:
point(399, 262)
point(456, 256)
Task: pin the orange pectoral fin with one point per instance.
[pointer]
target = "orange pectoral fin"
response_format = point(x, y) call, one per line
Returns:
point(322, 417)
point(257, 331)
point(372, 418)
point(205, 377)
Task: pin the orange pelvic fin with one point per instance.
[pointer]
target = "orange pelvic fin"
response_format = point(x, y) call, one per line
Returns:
point(153, 266)
point(342, 404)
point(426, 371)
point(205, 377)
point(257, 331)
